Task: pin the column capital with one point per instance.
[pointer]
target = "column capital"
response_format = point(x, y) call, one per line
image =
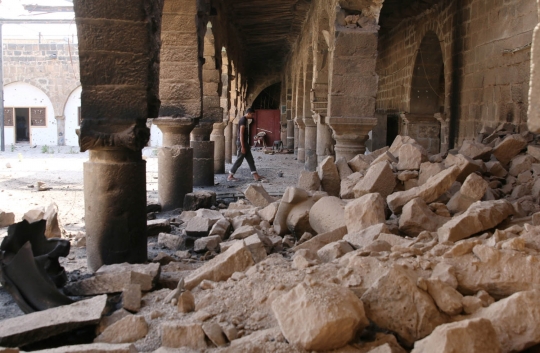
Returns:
point(351, 134)
point(99, 134)
point(300, 122)
point(175, 130)
point(309, 121)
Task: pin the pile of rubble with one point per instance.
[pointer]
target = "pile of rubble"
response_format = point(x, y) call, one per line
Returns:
point(394, 251)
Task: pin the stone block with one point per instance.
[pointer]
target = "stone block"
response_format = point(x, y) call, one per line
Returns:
point(127, 330)
point(411, 156)
point(298, 219)
point(269, 212)
point(156, 226)
point(257, 247)
point(335, 250)
point(209, 243)
point(475, 150)
point(243, 232)
point(343, 168)
point(6, 218)
point(170, 241)
point(320, 240)
point(472, 190)
point(520, 164)
point(327, 214)
point(466, 165)
point(365, 211)
point(52, 228)
point(448, 299)
point(200, 199)
point(221, 228)
point(329, 175)
point(198, 227)
point(309, 181)
point(361, 162)
point(508, 148)
point(348, 184)
point(427, 170)
point(366, 236)
point(379, 178)
point(34, 215)
point(131, 299)
point(418, 217)
point(179, 335)
point(257, 195)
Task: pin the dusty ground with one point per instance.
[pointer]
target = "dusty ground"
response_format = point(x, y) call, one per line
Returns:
point(61, 168)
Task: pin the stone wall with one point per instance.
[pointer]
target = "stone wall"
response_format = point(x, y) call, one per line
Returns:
point(486, 62)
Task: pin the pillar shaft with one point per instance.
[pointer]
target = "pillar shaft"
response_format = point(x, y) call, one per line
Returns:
point(218, 138)
point(228, 142)
point(203, 154)
point(325, 142)
point(290, 135)
point(310, 144)
point(301, 156)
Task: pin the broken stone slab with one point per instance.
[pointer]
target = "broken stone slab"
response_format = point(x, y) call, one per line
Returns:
point(179, 334)
point(327, 214)
point(348, 184)
point(258, 196)
point(332, 251)
point(156, 226)
point(92, 348)
point(320, 240)
point(246, 220)
point(515, 320)
point(408, 175)
point(171, 241)
point(398, 142)
point(291, 197)
point(395, 303)
point(471, 336)
point(467, 166)
point(209, 243)
point(269, 212)
point(480, 216)
point(411, 156)
point(257, 247)
point(304, 258)
point(325, 316)
point(427, 170)
point(498, 272)
point(309, 181)
point(343, 168)
point(329, 175)
point(34, 215)
point(365, 211)
point(379, 178)
point(475, 150)
point(131, 298)
point(198, 227)
point(448, 299)
point(520, 164)
point(237, 258)
point(366, 236)
point(508, 148)
point(127, 330)
point(107, 321)
point(429, 192)
point(37, 326)
point(52, 229)
point(214, 332)
point(446, 273)
point(360, 162)
point(298, 218)
point(472, 190)
point(114, 278)
point(243, 232)
point(200, 199)
point(385, 157)
point(186, 302)
point(417, 217)
point(211, 215)
point(6, 219)
point(534, 151)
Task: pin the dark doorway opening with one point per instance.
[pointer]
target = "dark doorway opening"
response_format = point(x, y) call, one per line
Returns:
point(392, 128)
point(269, 98)
point(22, 123)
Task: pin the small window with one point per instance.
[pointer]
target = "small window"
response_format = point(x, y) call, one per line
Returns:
point(38, 117)
point(8, 116)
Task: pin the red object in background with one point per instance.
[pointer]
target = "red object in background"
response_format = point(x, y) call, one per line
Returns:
point(267, 120)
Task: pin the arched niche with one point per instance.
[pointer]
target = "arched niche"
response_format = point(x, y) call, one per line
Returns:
point(72, 114)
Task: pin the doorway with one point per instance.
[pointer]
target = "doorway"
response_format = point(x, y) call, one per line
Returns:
point(22, 124)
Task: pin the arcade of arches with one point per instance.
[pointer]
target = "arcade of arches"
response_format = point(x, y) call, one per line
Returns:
point(338, 71)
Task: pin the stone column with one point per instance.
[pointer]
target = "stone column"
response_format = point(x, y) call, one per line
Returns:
point(234, 128)
point(296, 134)
point(290, 135)
point(353, 88)
point(301, 156)
point(310, 144)
point(218, 137)
point(116, 102)
point(174, 159)
point(533, 120)
point(228, 142)
point(284, 134)
point(325, 142)
point(61, 129)
point(203, 155)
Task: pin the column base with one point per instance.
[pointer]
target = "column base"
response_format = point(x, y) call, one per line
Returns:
point(310, 144)
point(173, 181)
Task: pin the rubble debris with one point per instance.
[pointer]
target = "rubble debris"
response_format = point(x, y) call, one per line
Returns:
point(200, 199)
point(179, 334)
point(329, 175)
point(33, 327)
point(6, 218)
point(127, 330)
point(131, 298)
point(327, 214)
point(258, 196)
point(94, 348)
point(156, 226)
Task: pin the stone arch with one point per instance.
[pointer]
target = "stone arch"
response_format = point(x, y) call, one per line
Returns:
point(260, 86)
point(20, 94)
point(71, 113)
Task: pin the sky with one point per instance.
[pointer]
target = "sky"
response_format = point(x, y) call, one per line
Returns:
point(13, 9)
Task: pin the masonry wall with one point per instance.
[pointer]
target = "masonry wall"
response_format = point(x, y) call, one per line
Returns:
point(486, 54)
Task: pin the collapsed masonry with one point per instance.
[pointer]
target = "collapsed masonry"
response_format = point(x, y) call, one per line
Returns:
point(387, 252)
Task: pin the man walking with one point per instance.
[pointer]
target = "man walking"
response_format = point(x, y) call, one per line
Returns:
point(244, 150)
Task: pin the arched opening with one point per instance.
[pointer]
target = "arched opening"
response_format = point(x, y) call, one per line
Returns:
point(266, 107)
point(425, 122)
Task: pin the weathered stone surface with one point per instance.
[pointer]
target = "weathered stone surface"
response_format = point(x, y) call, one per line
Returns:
point(236, 259)
point(199, 199)
point(366, 211)
point(471, 304)
point(304, 258)
point(360, 162)
point(107, 321)
point(6, 218)
point(495, 168)
point(447, 298)
point(269, 212)
point(258, 196)
point(366, 236)
point(398, 142)
point(429, 192)
point(509, 148)
point(444, 272)
point(348, 184)
point(520, 164)
point(291, 197)
point(395, 303)
point(427, 170)
point(186, 302)
point(466, 165)
point(33, 327)
point(480, 216)
point(214, 332)
point(333, 251)
point(170, 241)
point(211, 215)
point(220, 228)
point(475, 150)
point(472, 190)
point(343, 168)
point(257, 247)
point(329, 175)
point(114, 278)
point(309, 181)
point(515, 320)
point(417, 217)
point(34, 215)
point(198, 227)
point(246, 220)
point(127, 330)
point(499, 272)
point(379, 178)
point(298, 218)
point(385, 157)
point(52, 228)
point(326, 316)
point(131, 298)
point(243, 232)
point(91, 348)
point(156, 226)
point(534, 151)
point(180, 334)
point(209, 243)
point(320, 240)
point(471, 336)
point(411, 156)
point(327, 214)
